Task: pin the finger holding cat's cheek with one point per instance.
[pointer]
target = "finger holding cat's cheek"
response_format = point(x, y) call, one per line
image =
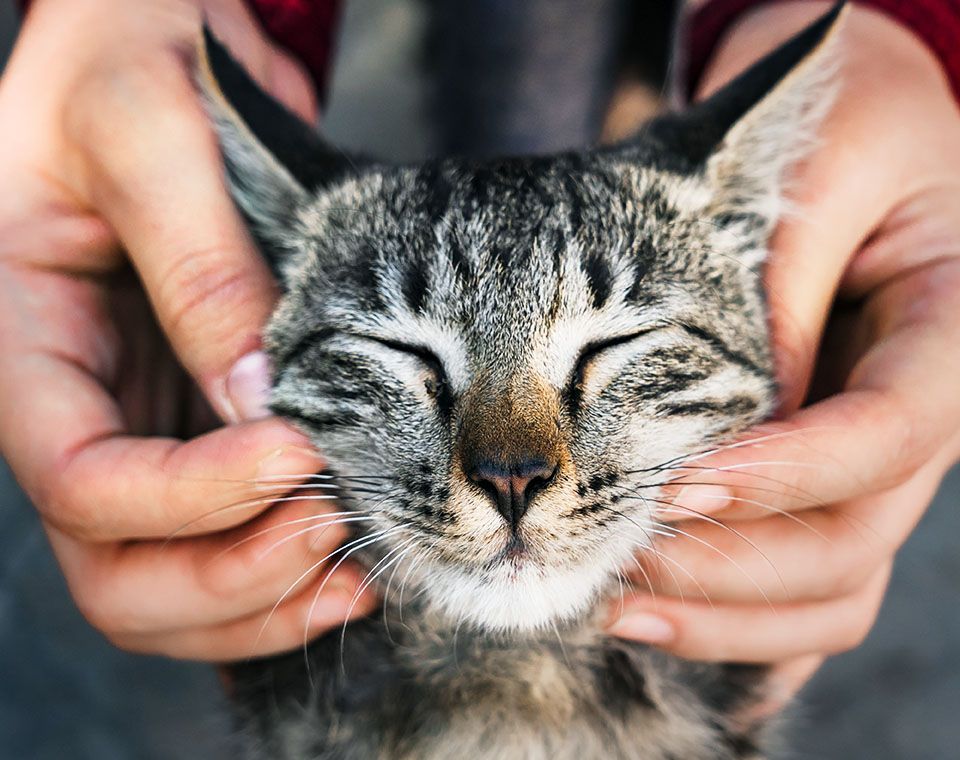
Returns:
point(857, 175)
point(752, 633)
point(898, 410)
point(165, 488)
point(815, 555)
point(154, 586)
point(71, 448)
point(321, 607)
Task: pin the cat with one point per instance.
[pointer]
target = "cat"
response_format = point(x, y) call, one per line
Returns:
point(502, 361)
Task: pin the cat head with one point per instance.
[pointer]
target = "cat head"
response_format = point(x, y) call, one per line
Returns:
point(502, 361)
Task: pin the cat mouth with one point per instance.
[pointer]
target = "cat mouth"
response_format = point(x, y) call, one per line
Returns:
point(515, 552)
point(515, 555)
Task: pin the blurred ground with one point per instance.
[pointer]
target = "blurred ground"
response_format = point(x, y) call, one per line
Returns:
point(67, 695)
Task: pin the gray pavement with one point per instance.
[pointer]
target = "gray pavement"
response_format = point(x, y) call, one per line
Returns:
point(65, 694)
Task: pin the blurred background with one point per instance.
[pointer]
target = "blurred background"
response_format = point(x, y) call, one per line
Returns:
point(66, 694)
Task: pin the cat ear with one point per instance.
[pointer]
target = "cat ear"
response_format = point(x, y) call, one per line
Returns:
point(748, 135)
point(274, 161)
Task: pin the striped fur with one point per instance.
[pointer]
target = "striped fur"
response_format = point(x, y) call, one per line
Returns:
point(601, 309)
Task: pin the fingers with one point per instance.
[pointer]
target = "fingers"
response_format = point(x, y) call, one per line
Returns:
point(153, 171)
point(841, 448)
point(769, 561)
point(899, 410)
point(753, 633)
point(782, 684)
point(276, 72)
point(164, 488)
point(98, 484)
point(843, 194)
point(316, 610)
point(813, 555)
point(154, 586)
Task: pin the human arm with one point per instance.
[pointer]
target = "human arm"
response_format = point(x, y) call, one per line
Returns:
point(118, 239)
point(832, 488)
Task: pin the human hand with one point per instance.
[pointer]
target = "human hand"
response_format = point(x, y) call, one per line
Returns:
point(109, 162)
point(816, 506)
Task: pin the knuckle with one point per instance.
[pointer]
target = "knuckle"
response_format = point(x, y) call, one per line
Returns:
point(131, 644)
point(96, 597)
point(277, 564)
point(91, 598)
point(101, 611)
point(240, 569)
point(905, 443)
point(138, 644)
point(199, 285)
point(851, 637)
point(848, 569)
point(59, 501)
point(229, 576)
point(857, 627)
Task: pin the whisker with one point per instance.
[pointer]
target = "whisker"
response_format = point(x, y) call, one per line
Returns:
point(327, 485)
point(310, 475)
point(324, 486)
point(736, 564)
point(620, 581)
point(246, 504)
point(300, 579)
point(691, 576)
point(273, 528)
point(810, 496)
point(563, 649)
point(660, 558)
point(370, 578)
point(781, 512)
point(293, 536)
point(673, 506)
point(356, 546)
point(811, 500)
point(751, 442)
point(421, 556)
point(651, 545)
point(646, 577)
point(386, 597)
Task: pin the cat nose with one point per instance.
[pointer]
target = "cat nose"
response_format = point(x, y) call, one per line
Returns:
point(513, 486)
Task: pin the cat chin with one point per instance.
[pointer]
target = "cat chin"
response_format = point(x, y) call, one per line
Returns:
point(515, 600)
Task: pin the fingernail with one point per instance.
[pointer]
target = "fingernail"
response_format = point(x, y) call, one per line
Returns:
point(247, 388)
point(642, 626)
point(701, 498)
point(288, 462)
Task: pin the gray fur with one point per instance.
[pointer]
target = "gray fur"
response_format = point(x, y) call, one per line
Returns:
point(603, 308)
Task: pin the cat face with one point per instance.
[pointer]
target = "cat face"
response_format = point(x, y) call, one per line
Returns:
point(503, 361)
point(505, 353)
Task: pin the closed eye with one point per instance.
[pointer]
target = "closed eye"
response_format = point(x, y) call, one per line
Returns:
point(590, 353)
point(437, 385)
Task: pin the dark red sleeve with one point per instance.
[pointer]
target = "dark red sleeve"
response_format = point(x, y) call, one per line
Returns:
point(936, 22)
point(305, 28)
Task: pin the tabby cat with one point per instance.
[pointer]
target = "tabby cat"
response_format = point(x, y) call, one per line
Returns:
point(502, 361)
